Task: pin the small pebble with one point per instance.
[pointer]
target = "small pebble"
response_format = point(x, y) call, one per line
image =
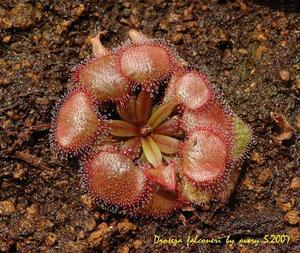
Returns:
point(126, 226)
point(61, 184)
point(260, 51)
point(265, 175)
point(96, 237)
point(246, 250)
point(90, 224)
point(292, 217)
point(32, 210)
point(7, 207)
point(258, 158)
point(173, 17)
point(77, 12)
point(6, 39)
point(81, 234)
point(243, 6)
point(298, 121)
point(164, 25)
point(51, 239)
point(248, 183)
point(285, 203)
point(176, 38)
point(124, 249)
point(283, 43)
point(19, 172)
point(298, 83)
point(284, 75)
point(86, 200)
point(204, 7)
point(137, 244)
point(295, 183)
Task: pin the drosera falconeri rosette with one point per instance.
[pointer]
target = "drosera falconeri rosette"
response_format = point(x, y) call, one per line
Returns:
point(151, 132)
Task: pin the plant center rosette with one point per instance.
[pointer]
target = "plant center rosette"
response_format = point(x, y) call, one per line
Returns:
point(151, 133)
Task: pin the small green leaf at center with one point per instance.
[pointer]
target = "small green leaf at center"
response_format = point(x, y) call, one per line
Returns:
point(152, 151)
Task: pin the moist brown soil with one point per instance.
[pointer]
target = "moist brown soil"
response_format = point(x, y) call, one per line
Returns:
point(251, 51)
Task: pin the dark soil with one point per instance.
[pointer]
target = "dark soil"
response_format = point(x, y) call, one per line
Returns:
point(251, 50)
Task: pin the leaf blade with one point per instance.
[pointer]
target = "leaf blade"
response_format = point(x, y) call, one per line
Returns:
point(151, 151)
point(128, 113)
point(161, 114)
point(166, 144)
point(143, 106)
point(120, 128)
point(171, 127)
